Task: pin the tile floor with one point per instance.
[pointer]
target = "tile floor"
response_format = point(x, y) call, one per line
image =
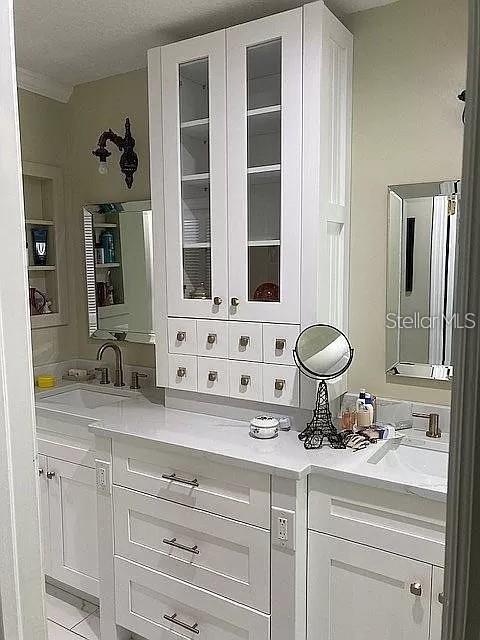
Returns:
point(70, 617)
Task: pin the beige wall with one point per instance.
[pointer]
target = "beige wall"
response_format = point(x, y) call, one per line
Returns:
point(409, 66)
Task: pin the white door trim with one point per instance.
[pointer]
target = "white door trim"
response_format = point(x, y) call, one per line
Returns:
point(21, 588)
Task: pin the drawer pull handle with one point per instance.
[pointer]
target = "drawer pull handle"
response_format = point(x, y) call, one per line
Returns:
point(235, 302)
point(279, 384)
point(50, 474)
point(217, 301)
point(181, 336)
point(212, 376)
point(174, 478)
point(173, 543)
point(244, 340)
point(41, 472)
point(245, 380)
point(280, 344)
point(212, 338)
point(173, 618)
point(441, 598)
point(181, 372)
point(416, 589)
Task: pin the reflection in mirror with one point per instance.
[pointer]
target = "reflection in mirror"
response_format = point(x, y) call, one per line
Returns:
point(118, 256)
point(422, 223)
point(322, 351)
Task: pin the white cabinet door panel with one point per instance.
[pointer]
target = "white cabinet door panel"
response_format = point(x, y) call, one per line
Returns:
point(264, 125)
point(218, 554)
point(359, 592)
point(73, 525)
point(437, 604)
point(44, 511)
point(159, 607)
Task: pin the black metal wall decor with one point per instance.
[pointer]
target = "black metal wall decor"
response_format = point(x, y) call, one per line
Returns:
point(128, 159)
point(461, 96)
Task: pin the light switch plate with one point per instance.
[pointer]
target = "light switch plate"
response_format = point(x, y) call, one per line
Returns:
point(283, 528)
point(103, 477)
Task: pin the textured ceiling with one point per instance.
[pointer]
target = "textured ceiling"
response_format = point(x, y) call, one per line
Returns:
point(75, 41)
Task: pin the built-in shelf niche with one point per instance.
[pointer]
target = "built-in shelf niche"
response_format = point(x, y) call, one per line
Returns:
point(44, 204)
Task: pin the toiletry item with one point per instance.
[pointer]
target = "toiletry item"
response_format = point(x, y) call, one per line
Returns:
point(349, 418)
point(361, 398)
point(108, 243)
point(99, 254)
point(285, 424)
point(264, 427)
point(46, 381)
point(39, 238)
point(363, 417)
point(369, 405)
point(109, 298)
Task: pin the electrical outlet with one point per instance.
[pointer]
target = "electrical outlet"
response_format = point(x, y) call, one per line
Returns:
point(283, 528)
point(102, 470)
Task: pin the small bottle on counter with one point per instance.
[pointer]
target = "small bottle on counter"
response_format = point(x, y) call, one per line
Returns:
point(363, 417)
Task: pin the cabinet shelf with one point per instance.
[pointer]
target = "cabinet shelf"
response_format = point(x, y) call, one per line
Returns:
point(196, 128)
point(40, 223)
point(197, 245)
point(264, 243)
point(108, 265)
point(264, 174)
point(105, 225)
point(264, 121)
point(197, 179)
point(46, 267)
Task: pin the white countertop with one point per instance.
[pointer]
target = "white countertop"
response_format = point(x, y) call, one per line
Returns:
point(229, 441)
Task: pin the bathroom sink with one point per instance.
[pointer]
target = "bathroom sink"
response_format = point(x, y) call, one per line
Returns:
point(405, 460)
point(84, 399)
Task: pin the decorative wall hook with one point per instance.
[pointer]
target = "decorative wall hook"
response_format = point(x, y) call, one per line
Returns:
point(128, 159)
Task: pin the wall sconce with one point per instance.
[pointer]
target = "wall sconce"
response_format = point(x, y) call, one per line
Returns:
point(128, 159)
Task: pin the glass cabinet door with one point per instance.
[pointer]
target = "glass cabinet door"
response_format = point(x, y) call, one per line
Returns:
point(264, 125)
point(193, 91)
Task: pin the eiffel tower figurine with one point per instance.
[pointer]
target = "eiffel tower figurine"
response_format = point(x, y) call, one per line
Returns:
point(321, 425)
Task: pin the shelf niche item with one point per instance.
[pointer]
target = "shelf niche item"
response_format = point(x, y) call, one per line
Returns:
point(322, 352)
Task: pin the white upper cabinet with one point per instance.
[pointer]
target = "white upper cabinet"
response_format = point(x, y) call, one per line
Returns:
point(195, 184)
point(264, 125)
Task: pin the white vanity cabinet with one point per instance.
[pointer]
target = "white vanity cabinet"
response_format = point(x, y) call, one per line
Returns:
point(68, 503)
point(250, 129)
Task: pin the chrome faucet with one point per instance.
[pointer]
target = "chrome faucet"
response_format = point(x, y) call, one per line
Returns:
point(118, 361)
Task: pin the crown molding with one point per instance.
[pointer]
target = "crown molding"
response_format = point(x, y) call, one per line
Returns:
point(43, 85)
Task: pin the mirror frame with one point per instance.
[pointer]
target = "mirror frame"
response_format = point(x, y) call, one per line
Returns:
point(89, 248)
point(311, 374)
point(396, 367)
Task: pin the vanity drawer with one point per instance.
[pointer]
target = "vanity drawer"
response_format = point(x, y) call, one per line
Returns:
point(228, 558)
point(199, 482)
point(245, 341)
point(280, 384)
point(408, 525)
point(182, 336)
point(213, 376)
point(182, 372)
point(212, 338)
point(146, 601)
point(245, 380)
point(278, 343)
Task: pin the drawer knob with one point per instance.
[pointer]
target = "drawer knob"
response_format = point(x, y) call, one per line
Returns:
point(244, 340)
point(212, 376)
point(174, 478)
point(173, 618)
point(279, 384)
point(50, 474)
point(441, 598)
point(181, 336)
point(181, 372)
point(212, 338)
point(416, 589)
point(235, 302)
point(41, 472)
point(173, 543)
point(217, 301)
point(280, 344)
point(245, 380)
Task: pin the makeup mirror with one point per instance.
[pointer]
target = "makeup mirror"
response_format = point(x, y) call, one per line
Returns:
point(322, 352)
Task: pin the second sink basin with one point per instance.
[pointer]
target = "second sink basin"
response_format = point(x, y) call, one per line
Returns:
point(84, 399)
point(406, 459)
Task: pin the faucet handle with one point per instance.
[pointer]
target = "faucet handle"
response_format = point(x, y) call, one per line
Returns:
point(105, 379)
point(135, 376)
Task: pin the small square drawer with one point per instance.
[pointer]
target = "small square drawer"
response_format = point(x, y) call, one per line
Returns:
point(279, 342)
point(182, 372)
point(245, 380)
point(182, 336)
point(245, 341)
point(213, 376)
point(280, 384)
point(212, 338)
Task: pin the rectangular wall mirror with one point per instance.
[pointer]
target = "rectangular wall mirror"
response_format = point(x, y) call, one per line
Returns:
point(422, 223)
point(118, 258)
